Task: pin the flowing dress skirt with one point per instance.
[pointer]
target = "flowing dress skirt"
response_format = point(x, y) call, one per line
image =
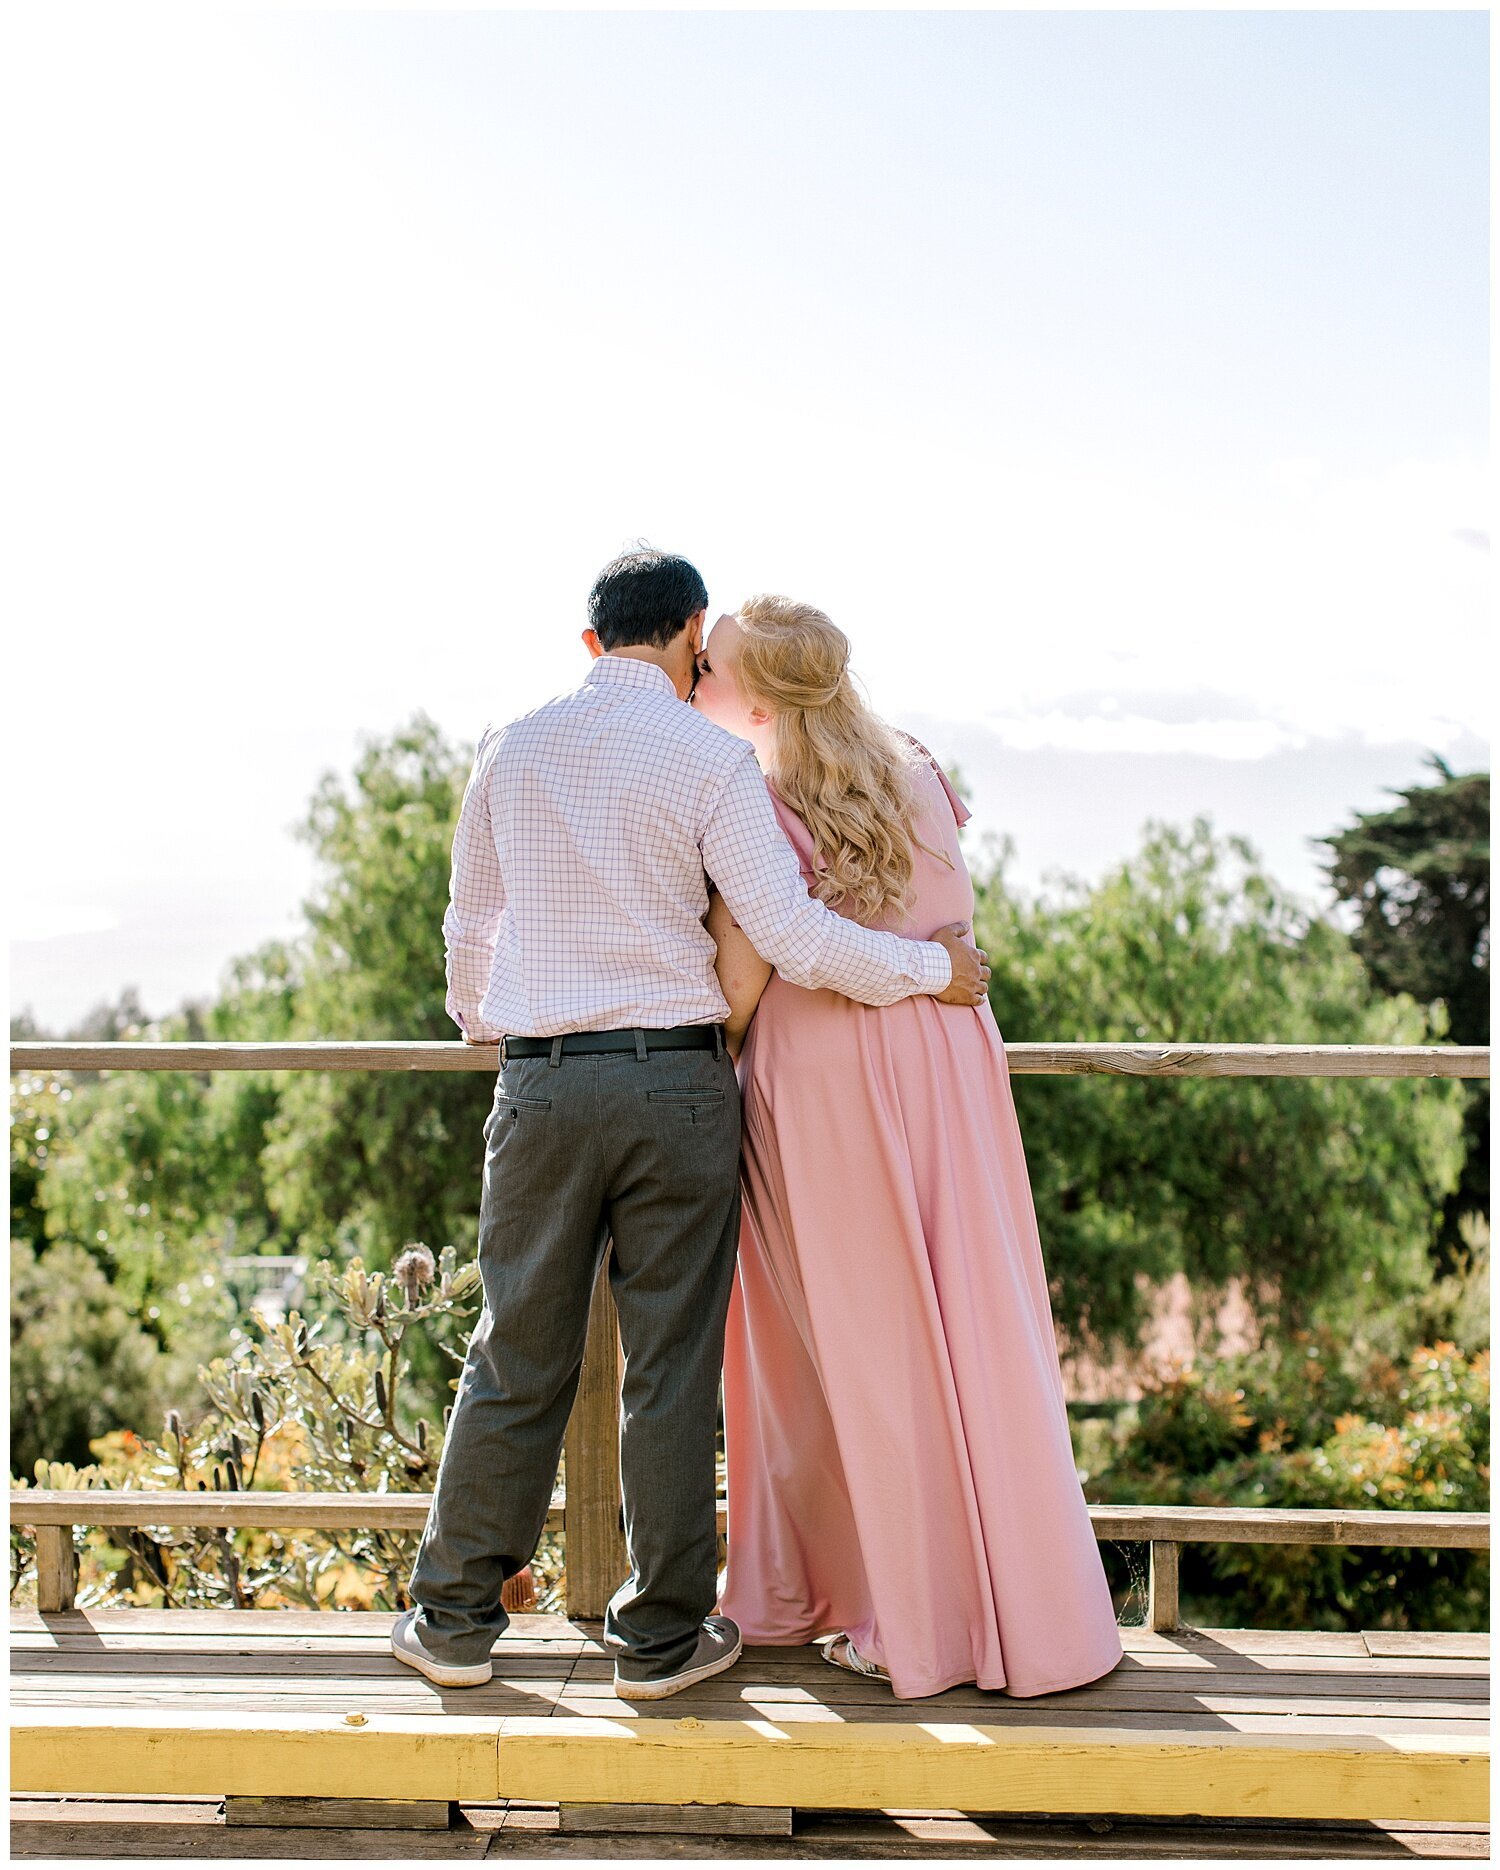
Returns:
point(899, 1463)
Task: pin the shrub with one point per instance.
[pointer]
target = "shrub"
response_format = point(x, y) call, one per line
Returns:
point(80, 1364)
point(316, 1406)
point(1320, 1422)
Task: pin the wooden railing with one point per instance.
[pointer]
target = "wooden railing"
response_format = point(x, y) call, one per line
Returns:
point(1024, 1058)
point(54, 1514)
point(589, 1511)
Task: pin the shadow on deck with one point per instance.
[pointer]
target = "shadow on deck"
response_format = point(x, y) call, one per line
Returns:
point(1255, 1727)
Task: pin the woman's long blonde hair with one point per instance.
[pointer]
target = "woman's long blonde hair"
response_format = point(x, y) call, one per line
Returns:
point(846, 774)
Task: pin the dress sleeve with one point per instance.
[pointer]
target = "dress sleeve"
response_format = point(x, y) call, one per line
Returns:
point(961, 812)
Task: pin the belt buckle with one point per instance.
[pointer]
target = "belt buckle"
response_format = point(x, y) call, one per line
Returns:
point(504, 1057)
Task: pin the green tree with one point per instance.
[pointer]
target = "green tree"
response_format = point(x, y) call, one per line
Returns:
point(377, 1159)
point(151, 1172)
point(80, 1365)
point(1418, 879)
point(42, 1124)
point(1306, 1189)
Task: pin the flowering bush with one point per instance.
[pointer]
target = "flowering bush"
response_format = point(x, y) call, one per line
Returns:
point(1316, 1422)
point(312, 1406)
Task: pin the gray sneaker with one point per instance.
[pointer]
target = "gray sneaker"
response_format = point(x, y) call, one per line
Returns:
point(406, 1647)
point(718, 1649)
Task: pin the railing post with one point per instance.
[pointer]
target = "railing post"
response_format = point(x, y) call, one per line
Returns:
point(594, 1544)
point(56, 1568)
point(1161, 1609)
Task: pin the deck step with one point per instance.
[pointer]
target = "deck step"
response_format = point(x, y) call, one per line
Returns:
point(1210, 1724)
point(917, 1764)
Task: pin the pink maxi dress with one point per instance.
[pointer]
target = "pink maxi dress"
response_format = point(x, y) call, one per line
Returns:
point(899, 1464)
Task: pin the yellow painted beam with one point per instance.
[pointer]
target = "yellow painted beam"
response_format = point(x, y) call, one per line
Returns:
point(214, 1755)
point(921, 1765)
point(933, 1765)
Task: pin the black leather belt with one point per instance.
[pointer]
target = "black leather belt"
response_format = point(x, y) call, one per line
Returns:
point(637, 1039)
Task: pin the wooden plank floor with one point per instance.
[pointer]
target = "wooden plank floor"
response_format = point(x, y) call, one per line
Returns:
point(91, 1829)
point(1242, 1725)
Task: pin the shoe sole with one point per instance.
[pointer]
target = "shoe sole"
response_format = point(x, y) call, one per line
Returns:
point(674, 1684)
point(474, 1676)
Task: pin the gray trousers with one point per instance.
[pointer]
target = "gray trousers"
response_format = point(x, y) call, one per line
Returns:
point(594, 1148)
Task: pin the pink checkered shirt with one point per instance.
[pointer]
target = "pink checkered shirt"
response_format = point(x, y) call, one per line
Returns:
point(579, 889)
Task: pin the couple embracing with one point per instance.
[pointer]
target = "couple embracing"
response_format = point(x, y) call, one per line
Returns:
point(714, 913)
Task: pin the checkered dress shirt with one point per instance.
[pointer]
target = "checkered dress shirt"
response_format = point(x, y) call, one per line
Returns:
point(579, 890)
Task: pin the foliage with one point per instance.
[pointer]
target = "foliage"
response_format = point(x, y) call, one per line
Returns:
point(1323, 1420)
point(149, 1173)
point(379, 1158)
point(1418, 878)
point(320, 1407)
point(1299, 1187)
point(79, 1363)
point(128, 1188)
point(157, 1173)
point(42, 1124)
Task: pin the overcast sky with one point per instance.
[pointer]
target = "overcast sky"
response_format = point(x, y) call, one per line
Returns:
point(1117, 381)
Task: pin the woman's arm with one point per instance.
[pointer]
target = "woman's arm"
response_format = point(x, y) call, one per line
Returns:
point(742, 974)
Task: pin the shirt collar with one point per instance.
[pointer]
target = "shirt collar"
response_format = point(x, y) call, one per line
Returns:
point(631, 672)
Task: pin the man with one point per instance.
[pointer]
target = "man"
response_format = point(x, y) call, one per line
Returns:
point(575, 937)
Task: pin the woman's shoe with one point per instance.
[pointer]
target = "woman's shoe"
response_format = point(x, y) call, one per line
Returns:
point(840, 1651)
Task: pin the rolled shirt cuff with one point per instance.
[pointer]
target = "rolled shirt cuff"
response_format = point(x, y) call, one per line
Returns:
point(935, 970)
point(474, 1028)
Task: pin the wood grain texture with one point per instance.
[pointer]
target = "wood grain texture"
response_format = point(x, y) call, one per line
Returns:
point(162, 1830)
point(1162, 1611)
point(56, 1567)
point(928, 1764)
point(938, 1765)
point(350, 1814)
point(593, 1542)
point(755, 1821)
point(208, 1752)
point(598, 1461)
point(1205, 1727)
point(1241, 1720)
point(170, 1842)
point(365, 1625)
point(1194, 1060)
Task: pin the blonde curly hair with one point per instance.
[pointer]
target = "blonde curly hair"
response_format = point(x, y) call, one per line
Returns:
point(846, 774)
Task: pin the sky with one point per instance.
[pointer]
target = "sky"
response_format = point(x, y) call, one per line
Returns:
point(1117, 381)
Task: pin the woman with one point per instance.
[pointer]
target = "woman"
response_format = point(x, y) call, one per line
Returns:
point(901, 1481)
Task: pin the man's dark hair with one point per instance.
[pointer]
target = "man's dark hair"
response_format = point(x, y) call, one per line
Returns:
point(645, 597)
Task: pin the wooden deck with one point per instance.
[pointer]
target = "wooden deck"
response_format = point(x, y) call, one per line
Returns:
point(1234, 1725)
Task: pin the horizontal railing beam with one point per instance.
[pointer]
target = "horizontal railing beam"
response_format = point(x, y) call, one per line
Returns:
point(270, 1512)
point(1184, 1525)
point(1026, 1058)
point(1271, 1525)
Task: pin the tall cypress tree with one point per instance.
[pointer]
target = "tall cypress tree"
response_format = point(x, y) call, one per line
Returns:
point(1418, 878)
